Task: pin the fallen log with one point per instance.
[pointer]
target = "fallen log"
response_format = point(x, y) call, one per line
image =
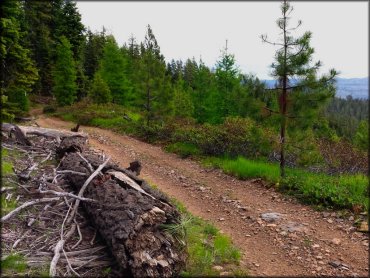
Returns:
point(132, 224)
point(22, 131)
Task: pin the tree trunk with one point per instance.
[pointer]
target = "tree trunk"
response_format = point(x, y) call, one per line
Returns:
point(130, 216)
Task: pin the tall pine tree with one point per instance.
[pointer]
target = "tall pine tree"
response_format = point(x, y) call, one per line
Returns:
point(300, 92)
point(154, 87)
point(18, 73)
point(113, 69)
point(64, 74)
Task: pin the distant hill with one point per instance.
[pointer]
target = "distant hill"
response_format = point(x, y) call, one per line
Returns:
point(355, 87)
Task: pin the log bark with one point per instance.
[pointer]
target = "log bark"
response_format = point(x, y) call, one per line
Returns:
point(132, 224)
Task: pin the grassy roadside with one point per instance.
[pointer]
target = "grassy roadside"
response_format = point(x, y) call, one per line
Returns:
point(210, 252)
point(342, 191)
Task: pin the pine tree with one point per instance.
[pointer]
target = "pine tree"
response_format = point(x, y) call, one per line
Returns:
point(182, 103)
point(361, 139)
point(204, 85)
point(154, 87)
point(38, 25)
point(227, 81)
point(64, 74)
point(113, 69)
point(99, 92)
point(298, 84)
point(18, 73)
point(93, 52)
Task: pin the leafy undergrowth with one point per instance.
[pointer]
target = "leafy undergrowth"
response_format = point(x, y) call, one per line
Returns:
point(184, 150)
point(206, 247)
point(339, 191)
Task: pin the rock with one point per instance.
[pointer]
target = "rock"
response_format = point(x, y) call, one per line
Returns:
point(319, 257)
point(225, 273)
point(336, 241)
point(256, 264)
point(293, 227)
point(315, 246)
point(364, 227)
point(351, 218)
point(271, 216)
point(335, 264)
point(217, 268)
point(330, 221)
point(221, 219)
point(325, 214)
point(201, 188)
point(319, 268)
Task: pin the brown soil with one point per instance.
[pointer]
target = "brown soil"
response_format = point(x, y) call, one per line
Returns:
point(323, 243)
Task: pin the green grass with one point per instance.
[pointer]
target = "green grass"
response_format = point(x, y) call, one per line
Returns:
point(6, 167)
point(184, 150)
point(246, 169)
point(13, 264)
point(206, 247)
point(342, 191)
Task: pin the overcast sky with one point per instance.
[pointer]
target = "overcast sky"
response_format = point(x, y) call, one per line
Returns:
point(200, 29)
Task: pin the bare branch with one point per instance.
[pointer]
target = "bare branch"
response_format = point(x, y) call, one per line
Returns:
point(27, 204)
point(67, 194)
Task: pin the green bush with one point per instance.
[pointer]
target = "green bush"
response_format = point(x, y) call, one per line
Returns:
point(49, 109)
point(184, 150)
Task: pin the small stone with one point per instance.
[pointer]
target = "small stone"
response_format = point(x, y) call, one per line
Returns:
point(336, 241)
point(208, 210)
point(217, 268)
point(201, 188)
point(330, 221)
point(221, 219)
point(333, 214)
point(325, 214)
point(256, 264)
point(271, 216)
point(319, 257)
point(283, 233)
point(315, 246)
point(335, 264)
point(365, 243)
point(319, 268)
point(271, 225)
point(225, 273)
point(351, 218)
point(247, 235)
point(295, 247)
point(321, 262)
point(364, 227)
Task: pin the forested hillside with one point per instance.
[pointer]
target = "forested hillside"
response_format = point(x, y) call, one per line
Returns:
point(48, 52)
point(281, 167)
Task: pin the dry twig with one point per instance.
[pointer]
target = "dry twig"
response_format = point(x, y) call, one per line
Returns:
point(27, 204)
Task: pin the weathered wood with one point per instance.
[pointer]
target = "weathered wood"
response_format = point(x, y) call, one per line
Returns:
point(20, 136)
point(133, 227)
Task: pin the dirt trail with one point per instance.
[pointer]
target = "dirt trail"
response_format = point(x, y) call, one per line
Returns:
point(303, 242)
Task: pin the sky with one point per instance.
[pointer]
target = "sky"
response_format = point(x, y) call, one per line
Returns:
point(340, 30)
